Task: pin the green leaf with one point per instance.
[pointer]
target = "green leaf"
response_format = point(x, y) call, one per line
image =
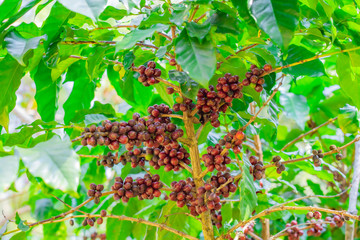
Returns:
point(225, 23)
point(98, 108)
point(348, 119)
point(19, 236)
point(47, 92)
point(61, 67)
point(313, 68)
point(8, 171)
point(111, 12)
point(11, 73)
point(248, 198)
point(55, 157)
point(295, 108)
point(199, 31)
point(17, 46)
point(94, 66)
point(9, 7)
point(138, 35)
point(179, 14)
point(29, 5)
point(188, 86)
point(25, 133)
point(82, 93)
point(198, 59)
point(89, 8)
point(20, 223)
point(348, 78)
point(52, 26)
point(277, 18)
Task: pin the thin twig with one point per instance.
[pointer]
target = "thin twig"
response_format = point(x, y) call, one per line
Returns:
point(310, 59)
point(311, 196)
point(263, 106)
point(282, 208)
point(309, 157)
point(308, 133)
point(193, 13)
point(199, 18)
point(122, 218)
point(241, 50)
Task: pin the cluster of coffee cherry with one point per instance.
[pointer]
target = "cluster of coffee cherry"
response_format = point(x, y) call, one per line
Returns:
point(256, 168)
point(317, 154)
point(208, 104)
point(294, 233)
point(183, 104)
point(254, 76)
point(95, 191)
point(204, 198)
point(171, 157)
point(143, 188)
point(149, 74)
point(108, 160)
point(335, 220)
point(95, 236)
point(215, 159)
point(233, 140)
point(280, 167)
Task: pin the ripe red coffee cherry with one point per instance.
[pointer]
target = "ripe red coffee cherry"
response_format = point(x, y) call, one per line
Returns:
point(172, 62)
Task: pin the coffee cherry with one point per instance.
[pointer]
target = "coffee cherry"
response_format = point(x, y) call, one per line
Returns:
point(317, 215)
point(332, 147)
point(170, 90)
point(71, 222)
point(172, 62)
point(339, 156)
point(99, 221)
point(103, 213)
point(267, 67)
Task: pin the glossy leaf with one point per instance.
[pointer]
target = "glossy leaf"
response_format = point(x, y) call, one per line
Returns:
point(198, 59)
point(89, 8)
point(138, 35)
point(8, 173)
point(277, 18)
point(56, 157)
point(295, 107)
point(18, 46)
point(11, 73)
point(248, 198)
point(188, 86)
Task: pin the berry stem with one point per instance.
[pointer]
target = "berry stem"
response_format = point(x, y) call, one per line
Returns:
point(309, 132)
point(195, 161)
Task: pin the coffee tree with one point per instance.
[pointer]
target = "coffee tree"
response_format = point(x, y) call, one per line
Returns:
point(236, 119)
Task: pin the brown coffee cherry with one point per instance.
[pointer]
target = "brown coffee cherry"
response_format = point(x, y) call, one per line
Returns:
point(339, 156)
point(172, 62)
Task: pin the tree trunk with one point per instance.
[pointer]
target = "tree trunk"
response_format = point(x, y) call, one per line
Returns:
point(349, 229)
point(195, 161)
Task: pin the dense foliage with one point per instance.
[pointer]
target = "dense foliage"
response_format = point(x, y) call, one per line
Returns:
point(206, 140)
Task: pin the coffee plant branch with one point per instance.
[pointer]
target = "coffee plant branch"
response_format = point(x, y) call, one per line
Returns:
point(283, 208)
point(308, 133)
point(325, 154)
point(310, 59)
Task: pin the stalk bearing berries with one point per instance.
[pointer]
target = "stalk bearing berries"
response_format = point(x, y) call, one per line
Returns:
point(317, 154)
point(233, 140)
